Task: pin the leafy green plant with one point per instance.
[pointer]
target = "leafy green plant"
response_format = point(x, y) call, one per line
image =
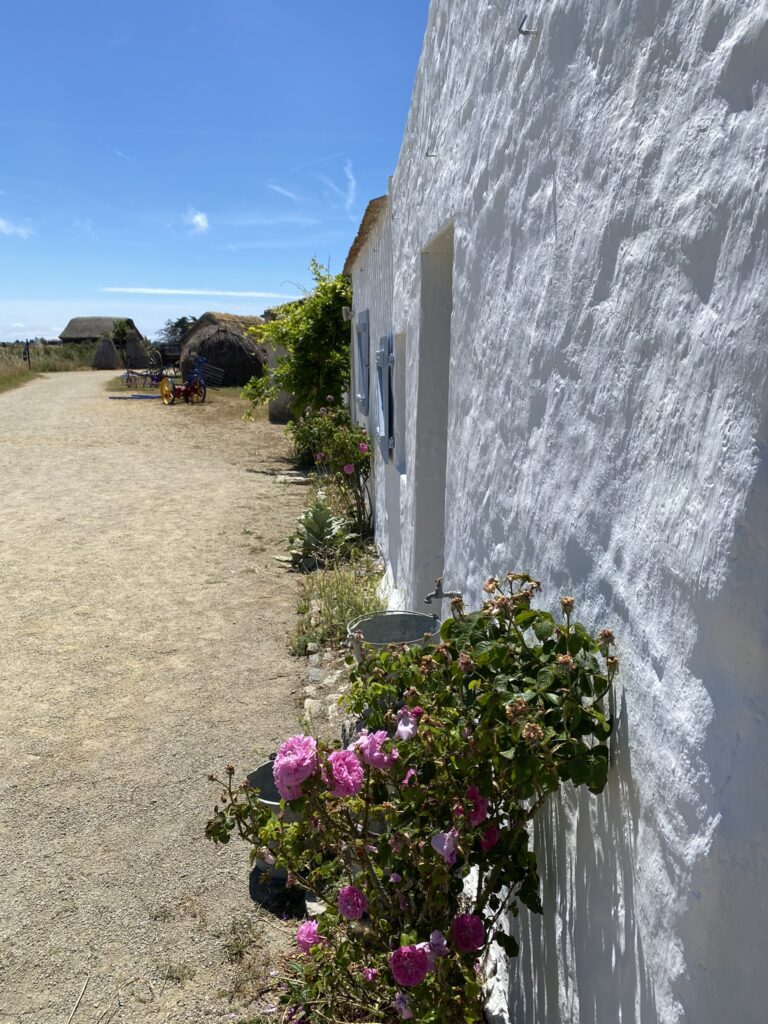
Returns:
point(315, 339)
point(418, 834)
point(320, 537)
point(340, 451)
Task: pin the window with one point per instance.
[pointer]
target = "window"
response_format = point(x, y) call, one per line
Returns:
point(362, 360)
point(384, 405)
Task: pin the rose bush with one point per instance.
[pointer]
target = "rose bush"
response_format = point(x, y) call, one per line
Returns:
point(340, 452)
point(418, 835)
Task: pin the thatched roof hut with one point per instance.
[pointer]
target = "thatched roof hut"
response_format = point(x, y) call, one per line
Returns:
point(234, 320)
point(229, 349)
point(223, 340)
point(135, 351)
point(106, 356)
point(92, 328)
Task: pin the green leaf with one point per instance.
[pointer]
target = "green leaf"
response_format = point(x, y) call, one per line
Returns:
point(544, 628)
point(508, 943)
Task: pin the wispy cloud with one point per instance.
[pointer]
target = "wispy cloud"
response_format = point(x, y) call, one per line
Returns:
point(351, 195)
point(85, 226)
point(315, 163)
point(262, 220)
point(284, 192)
point(123, 156)
point(286, 243)
point(348, 195)
point(199, 291)
point(196, 221)
point(19, 230)
point(333, 186)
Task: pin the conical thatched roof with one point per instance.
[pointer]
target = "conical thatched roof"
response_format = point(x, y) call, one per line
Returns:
point(106, 356)
point(135, 353)
point(226, 346)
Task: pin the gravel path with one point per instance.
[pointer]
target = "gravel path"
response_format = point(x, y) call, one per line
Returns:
point(143, 625)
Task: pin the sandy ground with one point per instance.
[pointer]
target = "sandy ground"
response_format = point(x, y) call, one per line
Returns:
point(143, 626)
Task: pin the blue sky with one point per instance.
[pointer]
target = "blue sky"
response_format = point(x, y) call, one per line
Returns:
point(198, 146)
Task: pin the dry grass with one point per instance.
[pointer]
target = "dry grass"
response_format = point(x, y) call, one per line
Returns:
point(257, 949)
point(43, 359)
point(332, 597)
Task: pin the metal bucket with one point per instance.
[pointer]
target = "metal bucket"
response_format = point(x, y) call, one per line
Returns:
point(385, 628)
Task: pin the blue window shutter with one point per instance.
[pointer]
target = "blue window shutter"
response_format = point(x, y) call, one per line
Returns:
point(363, 359)
point(384, 367)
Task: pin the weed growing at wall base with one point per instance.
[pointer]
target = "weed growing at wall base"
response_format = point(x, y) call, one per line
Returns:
point(417, 835)
point(334, 597)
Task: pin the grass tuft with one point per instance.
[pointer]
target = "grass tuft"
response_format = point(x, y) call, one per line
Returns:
point(331, 598)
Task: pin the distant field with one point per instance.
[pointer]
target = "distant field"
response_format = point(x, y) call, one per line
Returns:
point(43, 359)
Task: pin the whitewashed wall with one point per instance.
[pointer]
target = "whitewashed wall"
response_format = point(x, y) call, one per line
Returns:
point(607, 188)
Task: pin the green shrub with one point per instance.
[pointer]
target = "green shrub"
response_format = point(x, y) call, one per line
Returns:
point(341, 454)
point(315, 339)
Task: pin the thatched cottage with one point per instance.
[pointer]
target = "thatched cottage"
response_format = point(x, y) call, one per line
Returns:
point(91, 328)
point(223, 339)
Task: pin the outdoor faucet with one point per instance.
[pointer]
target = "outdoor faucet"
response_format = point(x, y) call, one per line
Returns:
point(438, 593)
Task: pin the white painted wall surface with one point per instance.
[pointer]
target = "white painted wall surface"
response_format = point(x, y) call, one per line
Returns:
point(608, 417)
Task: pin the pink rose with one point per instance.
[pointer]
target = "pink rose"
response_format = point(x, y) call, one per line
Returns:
point(479, 803)
point(296, 762)
point(407, 723)
point(444, 843)
point(429, 951)
point(363, 447)
point(490, 837)
point(352, 903)
point(465, 662)
point(307, 936)
point(408, 777)
point(468, 932)
point(346, 773)
point(370, 973)
point(369, 746)
point(409, 965)
point(348, 468)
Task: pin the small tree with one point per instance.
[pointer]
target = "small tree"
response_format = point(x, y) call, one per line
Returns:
point(172, 332)
point(120, 332)
point(315, 341)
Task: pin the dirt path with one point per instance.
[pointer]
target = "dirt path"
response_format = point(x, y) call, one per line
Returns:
point(143, 626)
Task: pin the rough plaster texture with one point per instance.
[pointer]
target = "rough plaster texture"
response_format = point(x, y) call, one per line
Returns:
point(606, 183)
